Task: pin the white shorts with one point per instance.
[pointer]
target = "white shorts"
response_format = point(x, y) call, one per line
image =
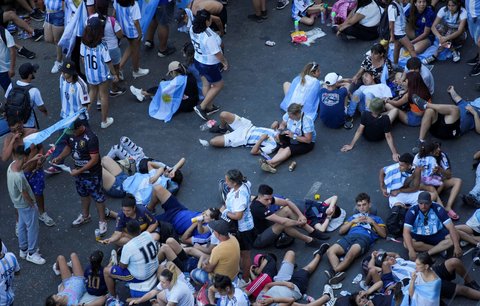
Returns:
point(238, 137)
point(88, 298)
point(407, 199)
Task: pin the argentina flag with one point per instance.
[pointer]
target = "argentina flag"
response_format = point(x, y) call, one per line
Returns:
point(73, 29)
point(168, 98)
point(39, 137)
point(307, 95)
point(147, 10)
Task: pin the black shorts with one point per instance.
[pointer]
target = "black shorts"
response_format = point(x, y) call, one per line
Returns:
point(448, 289)
point(299, 148)
point(300, 279)
point(265, 239)
point(442, 130)
point(246, 239)
point(442, 272)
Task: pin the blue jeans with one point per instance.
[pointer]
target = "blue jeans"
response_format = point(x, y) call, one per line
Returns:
point(476, 189)
point(28, 229)
point(358, 100)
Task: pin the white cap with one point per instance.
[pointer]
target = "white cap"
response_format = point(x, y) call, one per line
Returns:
point(173, 66)
point(332, 78)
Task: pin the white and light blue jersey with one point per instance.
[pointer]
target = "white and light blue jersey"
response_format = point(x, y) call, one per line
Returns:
point(427, 163)
point(452, 20)
point(473, 8)
point(53, 5)
point(394, 178)
point(268, 145)
point(239, 201)
point(301, 127)
point(426, 224)
point(8, 266)
point(126, 17)
point(239, 298)
point(206, 45)
point(74, 96)
point(140, 256)
point(95, 60)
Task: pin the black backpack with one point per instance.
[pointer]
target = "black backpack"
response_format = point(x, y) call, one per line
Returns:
point(384, 25)
point(396, 220)
point(19, 103)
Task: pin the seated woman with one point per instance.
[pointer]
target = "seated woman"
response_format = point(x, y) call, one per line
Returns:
point(95, 282)
point(297, 138)
point(425, 285)
point(449, 28)
point(362, 22)
point(374, 63)
point(306, 11)
point(420, 18)
point(229, 294)
point(304, 90)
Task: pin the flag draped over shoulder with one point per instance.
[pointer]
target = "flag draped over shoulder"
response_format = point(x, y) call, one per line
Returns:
point(168, 98)
point(307, 95)
point(39, 137)
point(147, 10)
point(73, 29)
point(425, 294)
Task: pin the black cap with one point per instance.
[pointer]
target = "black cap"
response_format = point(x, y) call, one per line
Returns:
point(69, 67)
point(180, 17)
point(220, 226)
point(26, 69)
point(424, 197)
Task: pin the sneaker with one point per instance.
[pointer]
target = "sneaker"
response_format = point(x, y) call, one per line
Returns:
point(149, 44)
point(470, 200)
point(337, 278)
point(473, 61)
point(140, 72)
point(24, 52)
point(200, 112)
point(37, 15)
point(23, 254)
point(319, 235)
point(213, 110)
point(456, 56)
point(116, 93)
point(45, 218)
point(265, 14)
point(36, 259)
point(313, 244)
point(99, 105)
point(218, 129)
point(56, 67)
point(55, 269)
point(113, 258)
point(137, 92)
point(107, 212)
point(107, 123)
point(322, 250)
point(348, 125)
point(417, 147)
point(16, 229)
point(282, 4)
point(81, 220)
point(421, 103)
point(474, 285)
point(130, 146)
point(328, 290)
point(268, 168)
point(363, 285)
point(429, 60)
point(329, 273)
point(166, 52)
point(256, 18)
point(37, 34)
point(102, 226)
point(475, 70)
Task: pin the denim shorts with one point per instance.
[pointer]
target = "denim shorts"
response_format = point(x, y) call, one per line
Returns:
point(164, 13)
point(348, 241)
point(90, 186)
point(116, 191)
point(115, 55)
point(413, 120)
point(210, 72)
point(36, 179)
point(56, 19)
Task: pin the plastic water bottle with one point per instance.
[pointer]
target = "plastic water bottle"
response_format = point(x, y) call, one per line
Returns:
point(207, 125)
point(333, 15)
point(322, 17)
point(295, 24)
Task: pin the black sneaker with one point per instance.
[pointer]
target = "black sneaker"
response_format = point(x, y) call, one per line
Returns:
point(319, 235)
point(37, 34)
point(474, 285)
point(473, 61)
point(37, 15)
point(166, 52)
point(200, 112)
point(337, 278)
point(313, 244)
point(24, 52)
point(265, 14)
point(475, 70)
point(218, 129)
point(149, 44)
point(213, 110)
point(470, 200)
point(322, 250)
point(421, 103)
point(417, 147)
point(256, 18)
point(282, 4)
point(116, 93)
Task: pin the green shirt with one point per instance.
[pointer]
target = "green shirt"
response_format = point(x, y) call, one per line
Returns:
point(16, 183)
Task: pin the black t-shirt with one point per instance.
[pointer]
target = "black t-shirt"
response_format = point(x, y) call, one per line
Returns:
point(260, 213)
point(191, 91)
point(271, 266)
point(82, 146)
point(375, 128)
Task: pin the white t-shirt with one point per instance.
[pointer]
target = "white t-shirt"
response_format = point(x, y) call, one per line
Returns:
point(397, 17)
point(239, 201)
point(474, 221)
point(110, 38)
point(180, 294)
point(372, 13)
point(206, 44)
point(377, 90)
point(453, 21)
point(35, 100)
point(5, 51)
point(140, 255)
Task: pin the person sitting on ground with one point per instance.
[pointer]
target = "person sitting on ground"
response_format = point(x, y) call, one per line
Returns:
point(333, 100)
point(420, 17)
point(262, 140)
point(470, 231)
point(362, 22)
point(425, 285)
point(289, 285)
point(297, 138)
point(304, 90)
point(472, 198)
point(131, 211)
point(428, 228)
point(229, 294)
point(360, 230)
point(415, 64)
point(376, 125)
point(374, 62)
point(273, 215)
point(306, 11)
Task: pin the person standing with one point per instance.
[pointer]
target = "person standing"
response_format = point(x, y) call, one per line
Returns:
point(23, 200)
point(8, 57)
point(84, 148)
point(9, 267)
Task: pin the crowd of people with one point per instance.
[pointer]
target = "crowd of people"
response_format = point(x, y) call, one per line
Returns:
point(169, 254)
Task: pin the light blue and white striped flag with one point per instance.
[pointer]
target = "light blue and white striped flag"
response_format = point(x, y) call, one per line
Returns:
point(168, 98)
point(384, 76)
point(73, 29)
point(39, 137)
point(147, 10)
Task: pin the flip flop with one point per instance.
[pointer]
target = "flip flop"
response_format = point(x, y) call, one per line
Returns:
point(453, 215)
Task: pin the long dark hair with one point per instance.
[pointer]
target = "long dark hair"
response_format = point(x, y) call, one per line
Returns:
point(416, 86)
point(189, 53)
point(199, 24)
point(96, 261)
point(426, 149)
point(92, 35)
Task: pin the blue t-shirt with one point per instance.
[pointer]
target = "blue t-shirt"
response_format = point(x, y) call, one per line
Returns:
point(95, 283)
point(365, 229)
point(430, 223)
point(143, 216)
point(423, 20)
point(332, 107)
point(183, 220)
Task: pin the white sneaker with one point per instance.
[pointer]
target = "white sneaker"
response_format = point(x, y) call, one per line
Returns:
point(456, 56)
point(81, 220)
point(102, 226)
point(137, 92)
point(23, 254)
point(55, 269)
point(45, 218)
point(113, 258)
point(56, 67)
point(140, 72)
point(107, 123)
point(36, 259)
point(16, 229)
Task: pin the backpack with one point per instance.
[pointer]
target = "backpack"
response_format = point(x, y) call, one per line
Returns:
point(396, 220)
point(18, 102)
point(384, 25)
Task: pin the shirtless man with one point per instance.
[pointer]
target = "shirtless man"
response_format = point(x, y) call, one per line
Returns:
point(215, 8)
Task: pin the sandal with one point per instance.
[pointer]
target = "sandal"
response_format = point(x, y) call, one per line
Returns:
point(453, 215)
